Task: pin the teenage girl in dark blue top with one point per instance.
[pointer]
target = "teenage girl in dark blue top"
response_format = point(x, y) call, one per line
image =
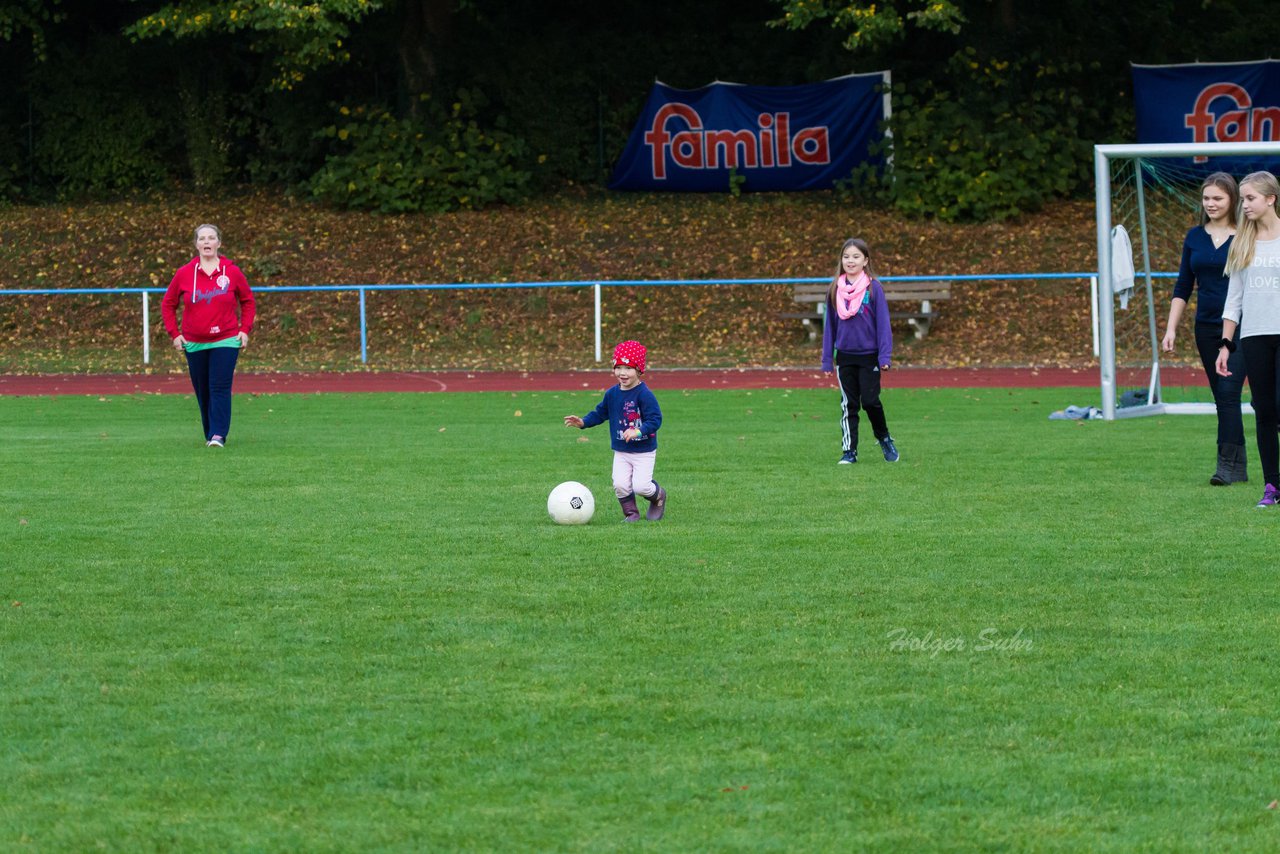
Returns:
point(1204, 257)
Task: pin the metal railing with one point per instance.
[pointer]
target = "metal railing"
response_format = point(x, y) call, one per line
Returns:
point(596, 287)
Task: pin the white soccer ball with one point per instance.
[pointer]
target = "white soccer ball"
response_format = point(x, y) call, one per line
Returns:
point(571, 503)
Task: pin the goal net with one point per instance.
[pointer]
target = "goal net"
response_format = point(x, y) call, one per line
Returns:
point(1147, 197)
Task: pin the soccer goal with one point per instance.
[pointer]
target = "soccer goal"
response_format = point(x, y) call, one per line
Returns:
point(1147, 197)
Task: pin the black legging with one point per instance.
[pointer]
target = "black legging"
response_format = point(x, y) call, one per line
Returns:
point(1262, 364)
point(1226, 390)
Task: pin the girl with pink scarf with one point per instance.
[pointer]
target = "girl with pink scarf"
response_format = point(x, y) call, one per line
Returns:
point(857, 344)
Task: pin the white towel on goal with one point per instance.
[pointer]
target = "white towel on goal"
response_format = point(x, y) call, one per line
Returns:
point(1121, 265)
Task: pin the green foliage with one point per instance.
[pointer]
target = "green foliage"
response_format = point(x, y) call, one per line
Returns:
point(206, 129)
point(92, 134)
point(872, 25)
point(281, 145)
point(572, 83)
point(436, 162)
point(736, 182)
point(29, 16)
point(298, 36)
point(999, 139)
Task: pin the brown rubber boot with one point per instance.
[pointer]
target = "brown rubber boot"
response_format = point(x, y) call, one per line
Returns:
point(657, 504)
point(630, 512)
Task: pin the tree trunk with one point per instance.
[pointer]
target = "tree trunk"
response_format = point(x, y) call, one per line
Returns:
point(427, 26)
point(202, 97)
point(1008, 19)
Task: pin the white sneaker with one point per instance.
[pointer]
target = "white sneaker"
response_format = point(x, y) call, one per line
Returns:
point(215, 442)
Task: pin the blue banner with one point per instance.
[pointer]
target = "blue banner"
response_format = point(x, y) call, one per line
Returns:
point(774, 137)
point(1208, 102)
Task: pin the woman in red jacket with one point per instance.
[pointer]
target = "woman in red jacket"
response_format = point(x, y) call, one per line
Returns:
point(217, 317)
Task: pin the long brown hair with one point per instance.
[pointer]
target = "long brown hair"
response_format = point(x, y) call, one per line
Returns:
point(861, 246)
point(1241, 254)
point(1226, 184)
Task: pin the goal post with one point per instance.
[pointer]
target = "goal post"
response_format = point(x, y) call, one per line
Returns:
point(1161, 198)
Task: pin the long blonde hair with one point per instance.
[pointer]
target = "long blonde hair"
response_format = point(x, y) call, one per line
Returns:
point(866, 253)
point(1241, 254)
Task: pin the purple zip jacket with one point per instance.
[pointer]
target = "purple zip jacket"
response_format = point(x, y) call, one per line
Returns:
point(865, 333)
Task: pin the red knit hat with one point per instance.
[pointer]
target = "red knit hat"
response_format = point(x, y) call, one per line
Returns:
point(629, 353)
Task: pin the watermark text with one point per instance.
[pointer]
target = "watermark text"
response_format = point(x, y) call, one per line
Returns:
point(934, 643)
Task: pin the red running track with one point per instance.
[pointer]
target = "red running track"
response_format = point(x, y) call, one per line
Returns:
point(436, 381)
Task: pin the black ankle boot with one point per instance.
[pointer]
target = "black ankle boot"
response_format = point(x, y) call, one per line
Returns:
point(1222, 474)
point(1233, 466)
point(1239, 464)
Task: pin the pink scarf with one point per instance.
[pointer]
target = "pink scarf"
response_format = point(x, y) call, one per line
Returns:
point(849, 294)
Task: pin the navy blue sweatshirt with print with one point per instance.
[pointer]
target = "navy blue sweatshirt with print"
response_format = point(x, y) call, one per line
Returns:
point(636, 407)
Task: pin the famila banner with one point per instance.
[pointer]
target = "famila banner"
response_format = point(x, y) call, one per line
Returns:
point(774, 137)
point(1208, 102)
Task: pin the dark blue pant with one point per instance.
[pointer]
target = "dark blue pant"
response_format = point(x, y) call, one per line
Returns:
point(1226, 390)
point(211, 373)
point(1262, 360)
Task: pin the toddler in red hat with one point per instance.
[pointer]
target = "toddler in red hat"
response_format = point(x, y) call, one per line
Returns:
point(633, 415)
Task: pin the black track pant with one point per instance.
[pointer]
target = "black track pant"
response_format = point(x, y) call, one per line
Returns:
point(860, 388)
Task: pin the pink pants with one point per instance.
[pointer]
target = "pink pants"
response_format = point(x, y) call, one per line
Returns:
point(633, 473)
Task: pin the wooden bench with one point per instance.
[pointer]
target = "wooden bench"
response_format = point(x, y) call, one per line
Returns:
point(925, 293)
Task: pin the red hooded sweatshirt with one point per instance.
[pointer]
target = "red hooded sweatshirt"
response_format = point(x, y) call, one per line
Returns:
point(209, 303)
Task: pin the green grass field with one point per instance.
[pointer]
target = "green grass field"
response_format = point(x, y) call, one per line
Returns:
point(356, 629)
